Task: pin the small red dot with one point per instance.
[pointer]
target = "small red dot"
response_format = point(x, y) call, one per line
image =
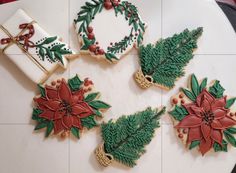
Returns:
point(53, 83)
point(182, 101)
point(58, 81)
point(231, 114)
point(180, 136)
point(175, 101)
point(181, 96)
point(185, 131)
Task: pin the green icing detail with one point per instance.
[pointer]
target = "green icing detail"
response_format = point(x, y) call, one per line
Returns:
point(50, 126)
point(42, 91)
point(224, 147)
point(195, 86)
point(75, 83)
point(75, 132)
point(179, 113)
point(89, 122)
point(230, 138)
point(229, 103)
point(97, 104)
point(126, 138)
point(194, 144)
point(52, 50)
point(165, 61)
point(88, 13)
point(231, 130)
point(189, 94)
point(203, 84)
point(217, 90)
point(91, 97)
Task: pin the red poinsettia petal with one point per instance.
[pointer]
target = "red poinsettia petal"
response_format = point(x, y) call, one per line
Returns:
point(40, 102)
point(58, 127)
point(82, 109)
point(206, 104)
point(197, 110)
point(52, 104)
point(51, 92)
point(67, 121)
point(218, 103)
point(188, 107)
point(194, 134)
point(217, 136)
point(59, 114)
point(206, 131)
point(189, 121)
point(79, 94)
point(47, 114)
point(216, 125)
point(220, 113)
point(64, 92)
point(227, 122)
point(204, 95)
point(205, 146)
point(77, 122)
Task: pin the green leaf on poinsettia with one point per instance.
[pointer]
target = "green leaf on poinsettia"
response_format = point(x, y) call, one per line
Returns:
point(194, 144)
point(97, 104)
point(230, 102)
point(75, 132)
point(224, 147)
point(41, 125)
point(42, 91)
point(49, 40)
point(231, 130)
point(203, 84)
point(217, 90)
point(98, 113)
point(50, 126)
point(88, 122)
point(179, 112)
point(59, 57)
point(36, 113)
point(194, 85)
point(111, 56)
point(91, 97)
point(189, 94)
point(75, 83)
point(230, 138)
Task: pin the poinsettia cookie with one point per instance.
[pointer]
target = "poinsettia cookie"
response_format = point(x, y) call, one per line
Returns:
point(31, 48)
point(65, 107)
point(164, 62)
point(108, 47)
point(204, 117)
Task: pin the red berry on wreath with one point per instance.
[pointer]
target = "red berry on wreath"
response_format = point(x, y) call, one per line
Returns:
point(91, 36)
point(108, 5)
point(101, 52)
point(90, 29)
point(116, 3)
point(92, 48)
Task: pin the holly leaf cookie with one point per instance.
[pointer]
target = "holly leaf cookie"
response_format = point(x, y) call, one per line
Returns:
point(163, 63)
point(67, 107)
point(204, 117)
point(115, 50)
point(125, 139)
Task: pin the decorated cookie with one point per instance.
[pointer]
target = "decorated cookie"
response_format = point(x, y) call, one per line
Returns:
point(32, 49)
point(65, 107)
point(204, 117)
point(108, 47)
point(163, 63)
point(125, 139)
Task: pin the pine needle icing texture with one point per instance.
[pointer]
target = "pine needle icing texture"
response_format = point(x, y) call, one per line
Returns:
point(165, 61)
point(126, 138)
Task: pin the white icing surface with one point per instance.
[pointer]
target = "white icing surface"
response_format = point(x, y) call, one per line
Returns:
point(23, 151)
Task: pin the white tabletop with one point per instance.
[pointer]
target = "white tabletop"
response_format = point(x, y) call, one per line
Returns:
point(23, 151)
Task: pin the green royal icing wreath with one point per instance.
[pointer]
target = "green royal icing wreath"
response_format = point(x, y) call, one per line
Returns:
point(114, 51)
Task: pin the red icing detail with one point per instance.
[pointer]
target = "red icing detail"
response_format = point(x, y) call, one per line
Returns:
point(182, 101)
point(175, 101)
point(108, 5)
point(92, 48)
point(181, 96)
point(206, 121)
point(91, 36)
point(90, 29)
point(180, 136)
point(101, 52)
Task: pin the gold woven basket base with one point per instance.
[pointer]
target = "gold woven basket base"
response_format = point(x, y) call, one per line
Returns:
point(143, 81)
point(103, 158)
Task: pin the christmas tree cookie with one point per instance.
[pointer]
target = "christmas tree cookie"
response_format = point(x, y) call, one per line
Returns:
point(67, 107)
point(124, 140)
point(204, 117)
point(31, 48)
point(163, 63)
point(114, 49)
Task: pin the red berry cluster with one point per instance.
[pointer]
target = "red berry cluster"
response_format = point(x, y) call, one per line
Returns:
point(108, 4)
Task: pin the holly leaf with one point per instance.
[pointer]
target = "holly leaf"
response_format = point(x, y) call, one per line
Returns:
point(194, 144)
point(50, 126)
point(88, 122)
point(203, 84)
point(41, 125)
point(98, 113)
point(224, 147)
point(97, 104)
point(231, 130)
point(111, 56)
point(91, 97)
point(49, 40)
point(57, 47)
point(75, 132)
point(217, 90)
point(42, 91)
point(59, 57)
point(42, 53)
point(50, 55)
point(75, 83)
point(179, 112)
point(194, 85)
point(230, 138)
point(229, 103)
point(36, 113)
point(189, 94)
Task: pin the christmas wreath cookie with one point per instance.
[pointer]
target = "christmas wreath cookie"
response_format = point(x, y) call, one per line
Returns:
point(113, 50)
point(65, 107)
point(124, 140)
point(163, 63)
point(204, 117)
